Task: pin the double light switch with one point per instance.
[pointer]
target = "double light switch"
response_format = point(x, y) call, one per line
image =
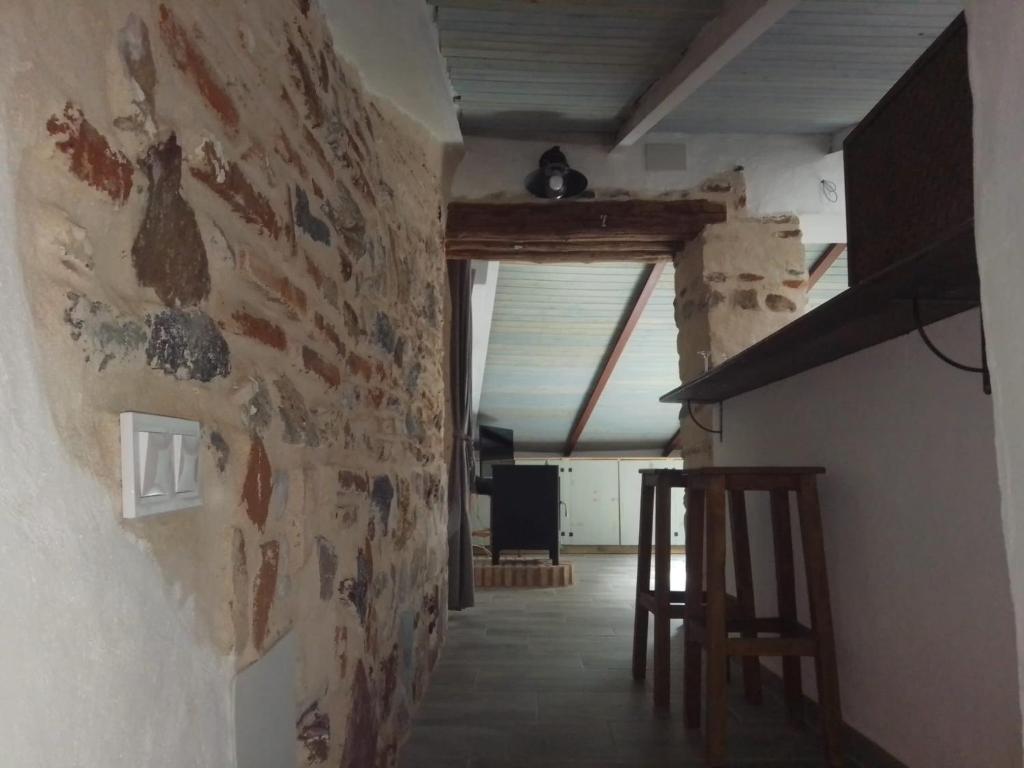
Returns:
point(159, 464)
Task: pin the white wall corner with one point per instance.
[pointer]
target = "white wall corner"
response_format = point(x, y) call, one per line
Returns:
point(837, 138)
point(394, 44)
point(485, 286)
point(995, 28)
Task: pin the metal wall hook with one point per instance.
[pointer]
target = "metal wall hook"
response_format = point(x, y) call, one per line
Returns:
point(721, 413)
point(982, 369)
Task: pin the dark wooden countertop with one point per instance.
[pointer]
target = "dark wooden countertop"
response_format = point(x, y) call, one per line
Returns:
point(943, 277)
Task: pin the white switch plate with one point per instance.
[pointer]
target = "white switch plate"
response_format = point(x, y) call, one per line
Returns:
point(159, 464)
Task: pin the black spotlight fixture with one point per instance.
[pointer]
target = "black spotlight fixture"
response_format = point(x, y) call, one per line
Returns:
point(555, 179)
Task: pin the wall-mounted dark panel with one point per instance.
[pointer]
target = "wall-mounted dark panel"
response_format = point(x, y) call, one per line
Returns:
point(909, 164)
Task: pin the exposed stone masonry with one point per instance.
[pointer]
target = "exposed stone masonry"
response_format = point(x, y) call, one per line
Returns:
point(736, 283)
point(219, 224)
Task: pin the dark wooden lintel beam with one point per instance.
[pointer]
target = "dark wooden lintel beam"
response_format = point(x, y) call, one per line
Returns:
point(570, 230)
point(604, 245)
point(824, 263)
point(647, 256)
point(612, 359)
point(571, 251)
point(595, 219)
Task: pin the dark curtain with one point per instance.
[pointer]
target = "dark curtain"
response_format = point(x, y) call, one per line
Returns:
point(460, 537)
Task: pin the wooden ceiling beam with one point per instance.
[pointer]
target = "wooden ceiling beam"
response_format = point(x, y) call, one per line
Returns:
point(609, 247)
point(615, 352)
point(561, 257)
point(614, 230)
point(637, 8)
point(559, 252)
point(722, 39)
point(580, 242)
point(824, 263)
point(682, 232)
point(573, 219)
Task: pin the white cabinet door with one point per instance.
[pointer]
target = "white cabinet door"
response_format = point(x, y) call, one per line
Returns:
point(564, 494)
point(592, 501)
point(629, 498)
point(678, 502)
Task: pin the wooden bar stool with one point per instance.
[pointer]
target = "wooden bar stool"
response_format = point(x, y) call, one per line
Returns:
point(706, 624)
point(666, 604)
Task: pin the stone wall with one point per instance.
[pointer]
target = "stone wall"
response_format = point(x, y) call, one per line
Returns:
point(736, 283)
point(217, 223)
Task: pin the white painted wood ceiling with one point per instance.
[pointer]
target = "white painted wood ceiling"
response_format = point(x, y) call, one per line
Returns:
point(541, 67)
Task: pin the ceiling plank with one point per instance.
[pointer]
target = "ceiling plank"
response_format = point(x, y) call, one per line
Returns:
point(722, 39)
point(824, 263)
point(611, 360)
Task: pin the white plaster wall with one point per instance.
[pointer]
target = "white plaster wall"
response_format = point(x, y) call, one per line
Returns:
point(480, 516)
point(100, 658)
point(783, 173)
point(485, 288)
point(264, 710)
point(995, 32)
point(917, 571)
point(396, 50)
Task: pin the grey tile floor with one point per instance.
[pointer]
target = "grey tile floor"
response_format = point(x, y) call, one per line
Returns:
point(541, 679)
